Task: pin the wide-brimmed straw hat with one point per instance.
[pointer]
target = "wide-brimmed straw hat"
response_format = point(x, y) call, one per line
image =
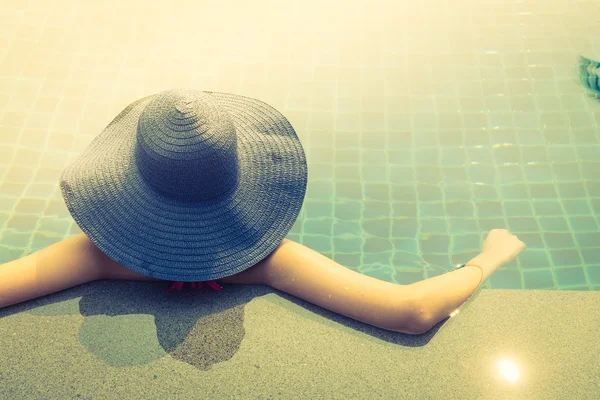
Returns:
point(187, 185)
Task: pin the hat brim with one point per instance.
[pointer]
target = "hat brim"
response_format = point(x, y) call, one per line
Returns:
point(171, 240)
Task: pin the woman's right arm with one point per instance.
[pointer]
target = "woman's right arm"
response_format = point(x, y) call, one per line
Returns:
point(413, 309)
point(309, 275)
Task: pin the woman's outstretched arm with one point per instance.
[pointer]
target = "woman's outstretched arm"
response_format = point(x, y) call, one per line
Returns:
point(291, 268)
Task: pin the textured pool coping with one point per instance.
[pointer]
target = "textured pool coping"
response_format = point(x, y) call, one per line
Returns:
point(107, 340)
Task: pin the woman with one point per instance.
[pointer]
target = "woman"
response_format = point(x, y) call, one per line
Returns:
point(191, 186)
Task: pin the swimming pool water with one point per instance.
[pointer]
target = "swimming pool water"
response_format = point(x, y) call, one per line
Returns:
point(425, 125)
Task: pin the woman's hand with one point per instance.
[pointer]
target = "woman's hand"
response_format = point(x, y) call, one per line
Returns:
point(502, 246)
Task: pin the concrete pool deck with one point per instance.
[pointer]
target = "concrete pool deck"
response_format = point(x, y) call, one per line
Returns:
point(133, 340)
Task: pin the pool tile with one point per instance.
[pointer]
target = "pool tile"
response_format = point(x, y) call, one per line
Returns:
point(381, 271)
point(465, 242)
point(455, 174)
point(453, 156)
point(352, 260)
point(571, 189)
point(586, 135)
point(514, 191)
point(554, 224)
point(538, 172)
point(484, 192)
point(376, 209)
point(595, 203)
point(376, 191)
point(534, 258)
point(22, 222)
point(588, 239)
point(433, 225)
point(346, 156)
point(558, 240)
point(533, 240)
point(403, 259)
point(531, 136)
point(507, 154)
point(516, 208)
point(428, 192)
point(317, 242)
point(479, 156)
point(318, 226)
point(404, 209)
point(570, 276)
point(319, 190)
point(377, 227)
point(542, 190)
point(321, 171)
point(457, 192)
point(373, 244)
point(427, 157)
point(374, 173)
point(459, 209)
point(588, 152)
point(562, 154)
point(505, 278)
point(431, 210)
point(576, 206)
point(539, 279)
point(480, 173)
point(8, 252)
point(409, 277)
point(565, 257)
point(400, 174)
point(555, 136)
point(410, 245)
point(349, 190)
point(462, 225)
point(523, 224)
point(583, 223)
point(347, 210)
point(508, 174)
point(548, 102)
point(428, 174)
point(486, 208)
point(425, 139)
point(404, 192)
point(476, 137)
point(400, 157)
point(451, 138)
point(547, 207)
point(487, 224)
point(566, 171)
point(594, 274)
point(437, 260)
point(589, 169)
point(346, 172)
point(432, 243)
point(504, 137)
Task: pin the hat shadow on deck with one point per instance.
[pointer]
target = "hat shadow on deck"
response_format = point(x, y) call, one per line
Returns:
point(201, 328)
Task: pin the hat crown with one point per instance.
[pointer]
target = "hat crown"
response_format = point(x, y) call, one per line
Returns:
point(186, 146)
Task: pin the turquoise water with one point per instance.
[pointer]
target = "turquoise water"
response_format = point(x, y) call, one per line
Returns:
point(423, 129)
